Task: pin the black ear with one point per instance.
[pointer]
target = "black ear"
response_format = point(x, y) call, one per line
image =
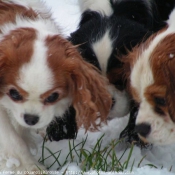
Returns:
point(137, 10)
point(164, 8)
point(87, 16)
point(141, 11)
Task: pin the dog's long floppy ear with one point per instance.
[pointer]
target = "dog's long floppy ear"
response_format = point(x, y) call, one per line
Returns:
point(88, 89)
point(169, 72)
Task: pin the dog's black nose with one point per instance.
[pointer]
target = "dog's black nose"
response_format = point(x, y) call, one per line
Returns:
point(31, 119)
point(143, 129)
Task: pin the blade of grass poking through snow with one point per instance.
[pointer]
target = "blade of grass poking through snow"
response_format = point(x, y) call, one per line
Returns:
point(84, 163)
point(74, 146)
point(151, 165)
point(73, 149)
point(141, 161)
point(132, 165)
point(89, 159)
point(64, 171)
point(95, 158)
point(104, 166)
point(98, 162)
point(122, 166)
point(171, 168)
point(42, 161)
point(56, 160)
point(50, 156)
point(83, 143)
point(114, 159)
point(98, 144)
point(129, 156)
point(70, 151)
point(108, 154)
point(53, 155)
point(105, 156)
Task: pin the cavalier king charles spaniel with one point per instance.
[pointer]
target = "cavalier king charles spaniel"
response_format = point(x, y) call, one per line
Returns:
point(151, 72)
point(41, 76)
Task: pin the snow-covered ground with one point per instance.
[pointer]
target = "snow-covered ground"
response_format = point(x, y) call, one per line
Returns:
point(161, 156)
point(66, 13)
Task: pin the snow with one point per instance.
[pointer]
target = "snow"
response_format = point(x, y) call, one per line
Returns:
point(162, 157)
point(12, 161)
point(66, 13)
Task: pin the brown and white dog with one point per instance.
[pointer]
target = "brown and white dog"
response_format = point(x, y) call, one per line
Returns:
point(41, 75)
point(152, 85)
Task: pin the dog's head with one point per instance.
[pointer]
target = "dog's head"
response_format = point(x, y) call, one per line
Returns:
point(152, 85)
point(41, 75)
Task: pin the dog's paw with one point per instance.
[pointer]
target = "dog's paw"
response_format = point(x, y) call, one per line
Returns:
point(24, 165)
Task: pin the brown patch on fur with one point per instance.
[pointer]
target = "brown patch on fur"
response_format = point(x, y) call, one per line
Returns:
point(156, 91)
point(15, 54)
point(83, 82)
point(8, 12)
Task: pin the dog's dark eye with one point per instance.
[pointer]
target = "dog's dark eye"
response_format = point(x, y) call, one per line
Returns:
point(52, 98)
point(160, 101)
point(15, 95)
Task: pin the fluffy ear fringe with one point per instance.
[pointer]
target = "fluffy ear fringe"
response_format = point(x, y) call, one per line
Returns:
point(91, 98)
point(168, 70)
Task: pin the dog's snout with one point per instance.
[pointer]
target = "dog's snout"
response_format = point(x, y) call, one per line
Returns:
point(31, 119)
point(143, 129)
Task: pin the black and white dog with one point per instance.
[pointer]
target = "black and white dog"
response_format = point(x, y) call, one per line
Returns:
point(107, 30)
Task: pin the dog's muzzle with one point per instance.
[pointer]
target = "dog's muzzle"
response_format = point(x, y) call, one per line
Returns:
point(31, 119)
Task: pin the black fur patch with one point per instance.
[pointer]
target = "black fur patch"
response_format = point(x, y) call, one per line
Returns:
point(63, 128)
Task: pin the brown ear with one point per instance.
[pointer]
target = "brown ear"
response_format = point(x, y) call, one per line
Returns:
point(91, 99)
point(169, 72)
point(2, 59)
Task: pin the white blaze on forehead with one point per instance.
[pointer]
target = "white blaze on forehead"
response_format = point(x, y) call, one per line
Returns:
point(141, 75)
point(103, 49)
point(36, 77)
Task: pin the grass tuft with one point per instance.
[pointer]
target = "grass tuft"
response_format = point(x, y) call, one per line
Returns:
point(98, 158)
